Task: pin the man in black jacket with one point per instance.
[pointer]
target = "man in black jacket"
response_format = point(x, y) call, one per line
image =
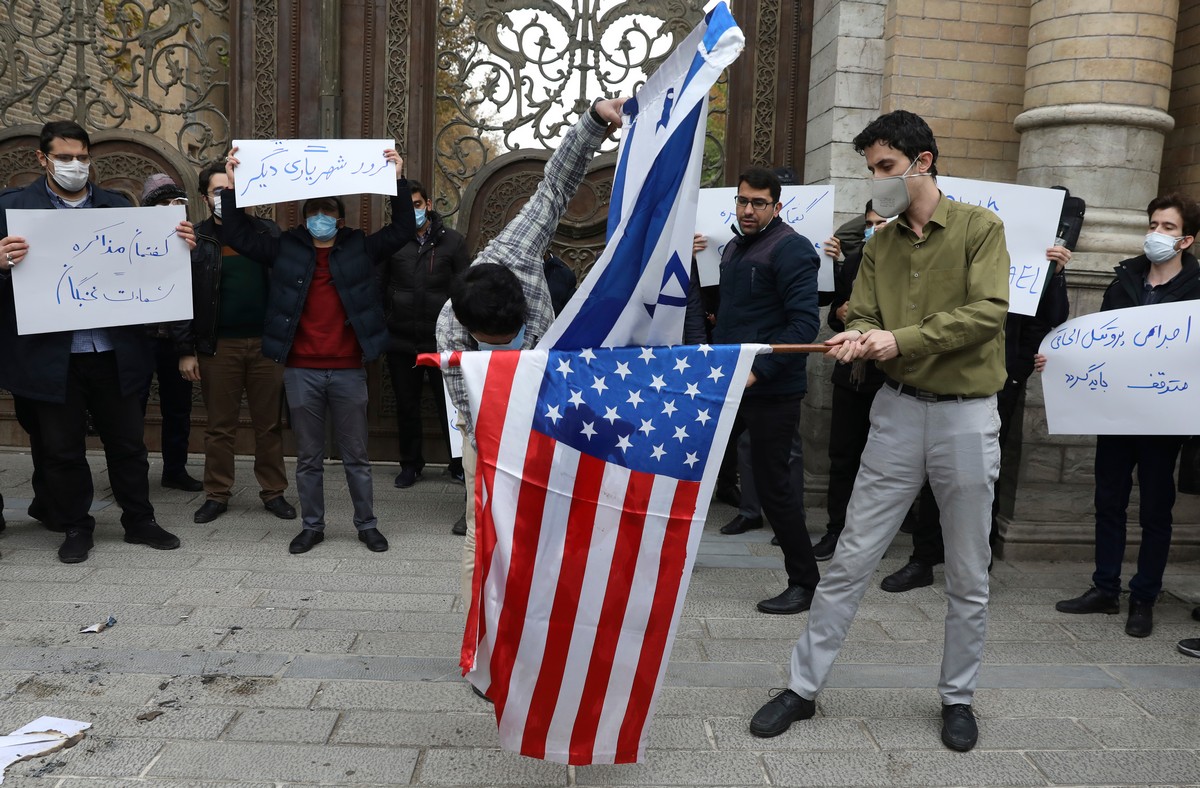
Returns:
point(769, 295)
point(1164, 273)
point(416, 285)
point(324, 317)
point(221, 348)
point(58, 378)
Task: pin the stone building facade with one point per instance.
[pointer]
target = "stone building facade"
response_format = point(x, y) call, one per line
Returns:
point(1100, 96)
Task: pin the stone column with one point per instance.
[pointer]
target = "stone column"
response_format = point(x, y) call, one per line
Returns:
point(1098, 84)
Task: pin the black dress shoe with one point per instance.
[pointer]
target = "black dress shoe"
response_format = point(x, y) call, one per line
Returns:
point(729, 493)
point(796, 599)
point(1091, 601)
point(823, 549)
point(280, 508)
point(153, 535)
point(1141, 620)
point(375, 541)
point(778, 714)
point(740, 525)
point(183, 482)
point(460, 527)
point(912, 575)
point(959, 731)
point(306, 540)
point(75, 547)
point(209, 511)
point(407, 478)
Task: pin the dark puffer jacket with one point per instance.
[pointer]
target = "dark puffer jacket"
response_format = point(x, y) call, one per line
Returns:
point(1126, 290)
point(35, 365)
point(416, 284)
point(293, 260)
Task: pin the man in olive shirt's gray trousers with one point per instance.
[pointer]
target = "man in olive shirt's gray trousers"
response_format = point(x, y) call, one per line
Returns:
point(928, 306)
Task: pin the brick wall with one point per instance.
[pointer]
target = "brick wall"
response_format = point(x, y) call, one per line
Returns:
point(960, 64)
point(1181, 153)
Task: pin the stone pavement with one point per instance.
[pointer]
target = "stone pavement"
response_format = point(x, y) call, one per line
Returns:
point(339, 667)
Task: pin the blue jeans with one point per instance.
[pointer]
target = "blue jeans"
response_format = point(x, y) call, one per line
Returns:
point(1154, 456)
point(342, 394)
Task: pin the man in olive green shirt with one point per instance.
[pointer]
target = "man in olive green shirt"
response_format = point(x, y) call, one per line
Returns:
point(928, 307)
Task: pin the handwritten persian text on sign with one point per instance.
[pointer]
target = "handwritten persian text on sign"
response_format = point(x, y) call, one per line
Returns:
point(98, 268)
point(808, 209)
point(1030, 216)
point(1125, 372)
point(271, 171)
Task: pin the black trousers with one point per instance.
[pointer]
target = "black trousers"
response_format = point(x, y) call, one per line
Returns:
point(771, 423)
point(175, 405)
point(408, 381)
point(928, 547)
point(849, 425)
point(93, 386)
point(27, 417)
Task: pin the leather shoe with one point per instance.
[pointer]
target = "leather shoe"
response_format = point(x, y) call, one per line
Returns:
point(740, 525)
point(778, 714)
point(795, 599)
point(280, 508)
point(1191, 647)
point(460, 526)
point(209, 511)
point(306, 540)
point(959, 731)
point(1141, 620)
point(912, 575)
point(407, 478)
point(823, 549)
point(375, 541)
point(153, 535)
point(729, 493)
point(183, 482)
point(75, 547)
point(1091, 601)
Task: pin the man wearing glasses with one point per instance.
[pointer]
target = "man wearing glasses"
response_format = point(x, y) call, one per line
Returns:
point(221, 347)
point(769, 294)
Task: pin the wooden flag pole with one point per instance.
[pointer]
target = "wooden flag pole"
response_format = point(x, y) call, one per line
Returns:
point(818, 348)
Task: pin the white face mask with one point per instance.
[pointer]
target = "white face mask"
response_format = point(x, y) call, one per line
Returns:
point(71, 175)
point(889, 196)
point(1160, 247)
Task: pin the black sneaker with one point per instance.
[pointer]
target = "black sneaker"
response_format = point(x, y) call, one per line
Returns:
point(823, 549)
point(1191, 647)
point(460, 526)
point(407, 478)
point(75, 547)
point(153, 535)
point(1091, 601)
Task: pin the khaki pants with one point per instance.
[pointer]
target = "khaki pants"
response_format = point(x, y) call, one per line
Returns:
point(239, 366)
point(468, 558)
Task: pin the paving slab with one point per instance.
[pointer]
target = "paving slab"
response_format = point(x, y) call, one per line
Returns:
point(926, 769)
point(343, 765)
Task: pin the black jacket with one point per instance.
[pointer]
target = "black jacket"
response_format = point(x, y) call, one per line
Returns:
point(416, 285)
point(293, 260)
point(35, 365)
point(769, 295)
point(199, 335)
point(1023, 334)
point(844, 274)
point(1126, 290)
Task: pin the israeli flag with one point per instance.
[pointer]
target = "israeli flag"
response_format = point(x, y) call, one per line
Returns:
point(637, 291)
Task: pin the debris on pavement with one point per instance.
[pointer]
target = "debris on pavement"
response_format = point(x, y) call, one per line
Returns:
point(100, 627)
point(40, 737)
point(146, 716)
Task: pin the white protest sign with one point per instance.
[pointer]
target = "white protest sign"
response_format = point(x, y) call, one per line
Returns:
point(808, 209)
point(271, 171)
point(98, 268)
point(1125, 372)
point(1030, 217)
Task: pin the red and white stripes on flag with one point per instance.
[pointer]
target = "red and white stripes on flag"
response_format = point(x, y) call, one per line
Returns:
point(592, 485)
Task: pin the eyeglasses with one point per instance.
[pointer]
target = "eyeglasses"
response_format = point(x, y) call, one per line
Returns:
point(66, 158)
point(758, 203)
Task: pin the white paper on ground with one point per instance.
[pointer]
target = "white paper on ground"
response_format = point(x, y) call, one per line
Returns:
point(40, 737)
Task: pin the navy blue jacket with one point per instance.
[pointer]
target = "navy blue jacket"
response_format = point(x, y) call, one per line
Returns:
point(35, 365)
point(293, 260)
point(769, 295)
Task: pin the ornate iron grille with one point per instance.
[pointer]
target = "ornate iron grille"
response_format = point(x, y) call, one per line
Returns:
point(153, 66)
point(514, 74)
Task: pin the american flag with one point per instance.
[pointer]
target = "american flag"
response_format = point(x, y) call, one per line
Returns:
point(592, 483)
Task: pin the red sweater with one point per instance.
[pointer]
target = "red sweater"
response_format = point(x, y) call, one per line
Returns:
point(324, 338)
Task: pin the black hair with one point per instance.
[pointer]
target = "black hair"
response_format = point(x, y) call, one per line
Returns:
point(63, 129)
point(1189, 210)
point(417, 188)
point(315, 204)
point(206, 175)
point(762, 178)
point(488, 298)
point(902, 130)
point(870, 207)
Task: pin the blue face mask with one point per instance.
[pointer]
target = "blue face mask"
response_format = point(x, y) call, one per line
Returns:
point(420, 216)
point(321, 226)
point(512, 344)
point(868, 232)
